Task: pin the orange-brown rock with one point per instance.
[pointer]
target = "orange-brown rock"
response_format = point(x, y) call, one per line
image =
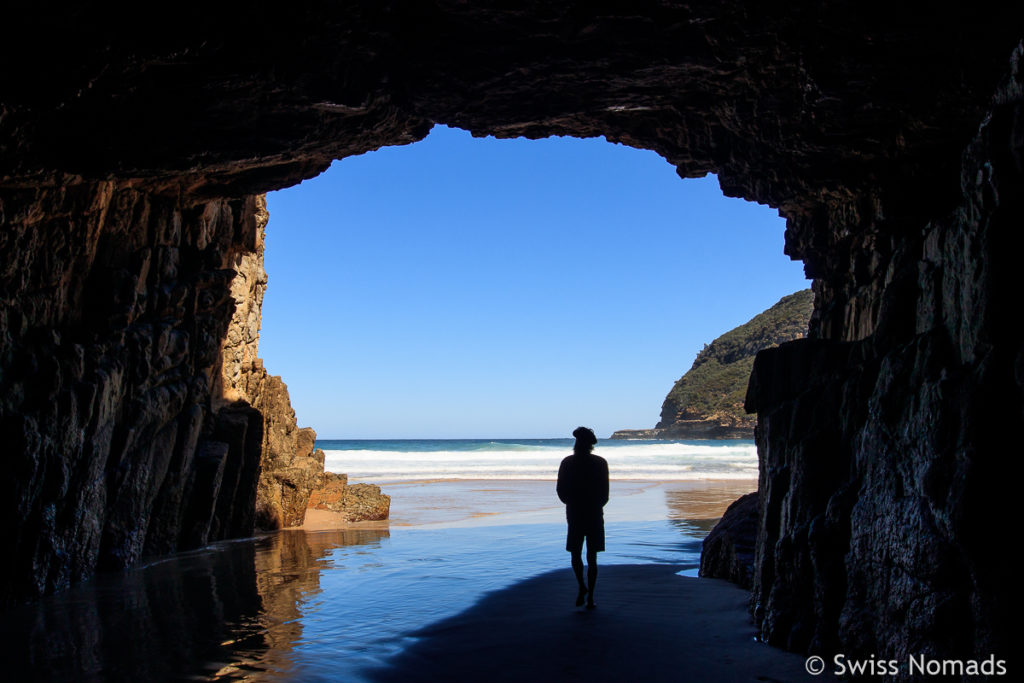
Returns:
point(330, 495)
point(290, 465)
point(364, 502)
point(358, 502)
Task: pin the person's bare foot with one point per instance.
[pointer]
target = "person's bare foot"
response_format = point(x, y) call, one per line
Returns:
point(579, 596)
point(590, 601)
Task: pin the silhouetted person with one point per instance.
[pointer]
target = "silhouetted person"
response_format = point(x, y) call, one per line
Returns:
point(583, 487)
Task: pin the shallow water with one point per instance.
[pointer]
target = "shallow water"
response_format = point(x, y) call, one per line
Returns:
point(297, 605)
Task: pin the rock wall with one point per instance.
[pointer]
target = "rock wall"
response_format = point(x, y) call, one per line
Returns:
point(290, 466)
point(884, 482)
point(136, 416)
point(114, 306)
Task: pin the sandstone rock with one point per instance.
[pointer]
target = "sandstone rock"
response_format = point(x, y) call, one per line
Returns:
point(728, 551)
point(289, 465)
point(330, 495)
point(365, 502)
point(636, 434)
point(358, 502)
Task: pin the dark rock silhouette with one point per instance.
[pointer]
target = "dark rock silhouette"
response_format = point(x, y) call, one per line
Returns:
point(889, 138)
point(728, 550)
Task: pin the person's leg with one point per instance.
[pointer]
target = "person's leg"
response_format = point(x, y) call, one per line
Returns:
point(574, 544)
point(577, 568)
point(591, 574)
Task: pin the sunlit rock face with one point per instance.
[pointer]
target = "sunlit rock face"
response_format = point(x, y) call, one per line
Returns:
point(888, 138)
point(290, 466)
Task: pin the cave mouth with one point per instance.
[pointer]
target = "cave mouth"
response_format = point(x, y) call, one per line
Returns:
point(506, 288)
point(891, 141)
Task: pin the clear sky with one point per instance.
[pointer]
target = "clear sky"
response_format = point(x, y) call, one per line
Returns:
point(468, 287)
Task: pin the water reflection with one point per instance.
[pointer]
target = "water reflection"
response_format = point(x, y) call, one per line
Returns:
point(694, 509)
point(221, 612)
point(323, 605)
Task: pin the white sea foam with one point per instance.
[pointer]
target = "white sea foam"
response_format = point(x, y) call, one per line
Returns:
point(650, 461)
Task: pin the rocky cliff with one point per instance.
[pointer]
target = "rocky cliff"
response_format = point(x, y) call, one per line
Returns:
point(142, 420)
point(889, 137)
point(707, 402)
point(290, 466)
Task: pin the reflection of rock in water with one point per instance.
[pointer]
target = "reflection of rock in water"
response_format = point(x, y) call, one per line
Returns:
point(694, 527)
point(694, 507)
point(287, 575)
point(226, 609)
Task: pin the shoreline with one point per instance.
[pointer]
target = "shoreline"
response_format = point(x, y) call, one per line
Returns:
point(446, 503)
point(449, 480)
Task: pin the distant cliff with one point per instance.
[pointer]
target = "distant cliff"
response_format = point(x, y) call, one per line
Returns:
point(707, 402)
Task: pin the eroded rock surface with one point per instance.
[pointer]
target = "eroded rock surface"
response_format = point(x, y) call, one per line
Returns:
point(883, 460)
point(727, 552)
point(136, 416)
point(358, 502)
point(115, 303)
point(290, 465)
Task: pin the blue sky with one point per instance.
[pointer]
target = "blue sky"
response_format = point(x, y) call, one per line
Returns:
point(468, 287)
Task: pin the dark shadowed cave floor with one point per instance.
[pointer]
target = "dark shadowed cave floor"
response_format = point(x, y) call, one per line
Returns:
point(650, 625)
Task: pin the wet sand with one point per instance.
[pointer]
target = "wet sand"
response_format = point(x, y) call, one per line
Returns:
point(479, 592)
point(652, 622)
point(458, 503)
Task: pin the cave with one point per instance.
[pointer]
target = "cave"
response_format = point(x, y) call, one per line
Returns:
point(134, 422)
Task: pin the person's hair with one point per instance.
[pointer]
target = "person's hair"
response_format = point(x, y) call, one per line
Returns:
point(585, 440)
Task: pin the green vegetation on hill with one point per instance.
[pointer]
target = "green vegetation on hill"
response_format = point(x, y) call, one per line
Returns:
point(715, 387)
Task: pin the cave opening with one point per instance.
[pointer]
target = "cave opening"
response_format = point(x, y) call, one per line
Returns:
point(465, 287)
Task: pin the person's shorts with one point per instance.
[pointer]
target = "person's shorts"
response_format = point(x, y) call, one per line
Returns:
point(590, 528)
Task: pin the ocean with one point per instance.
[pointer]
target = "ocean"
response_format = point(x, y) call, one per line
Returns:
point(403, 460)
